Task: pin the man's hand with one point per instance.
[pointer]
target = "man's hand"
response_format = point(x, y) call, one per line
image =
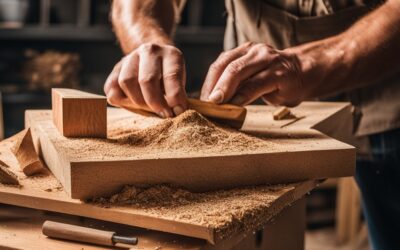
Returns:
point(250, 71)
point(365, 54)
point(151, 76)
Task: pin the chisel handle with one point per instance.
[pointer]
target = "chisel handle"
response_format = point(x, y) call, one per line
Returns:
point(76, 233)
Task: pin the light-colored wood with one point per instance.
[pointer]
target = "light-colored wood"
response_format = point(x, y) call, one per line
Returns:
point(6, 176)
point(24, 151)
point(42, 193)
point(79, 114)
point(66, 231)
point(348, 211)
point(281, 113)
point(226, 113)
point(300, 153)
point(21, 229)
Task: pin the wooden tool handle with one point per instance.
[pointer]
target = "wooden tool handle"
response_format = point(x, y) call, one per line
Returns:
point(76, 233)
point(231, 114)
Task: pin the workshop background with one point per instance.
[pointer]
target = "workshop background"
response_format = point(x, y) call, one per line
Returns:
point(56, 43)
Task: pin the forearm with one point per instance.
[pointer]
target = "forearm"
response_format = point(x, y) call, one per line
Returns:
point(143, 21)
point(363, 55)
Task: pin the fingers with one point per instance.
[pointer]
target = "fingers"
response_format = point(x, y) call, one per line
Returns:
point(260, 84)
point(217, 68)
point(114, 94)
point(174, 79)
point(128, 80)
point(258, 58)
point(149, 78)
point(273, 98)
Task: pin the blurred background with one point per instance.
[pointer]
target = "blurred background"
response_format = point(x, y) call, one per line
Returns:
point(59, 43)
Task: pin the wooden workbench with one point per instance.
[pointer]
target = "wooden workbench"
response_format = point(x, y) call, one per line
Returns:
point(20, 228)
point(21, 232)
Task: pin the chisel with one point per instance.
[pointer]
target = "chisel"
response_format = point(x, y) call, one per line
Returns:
point(84, 234)
point(225, 113)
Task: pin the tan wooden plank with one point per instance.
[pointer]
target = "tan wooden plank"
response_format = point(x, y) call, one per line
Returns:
point(299, 153)
point(45, 193)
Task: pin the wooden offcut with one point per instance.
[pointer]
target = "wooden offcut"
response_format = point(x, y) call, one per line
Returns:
point(300, 152)
point(281, 113)
point(26, 155)
point(6, 176)
point(79, 114)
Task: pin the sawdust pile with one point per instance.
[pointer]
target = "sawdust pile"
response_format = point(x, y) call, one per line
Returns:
point(189, 131)
point(226, 211)
point(139, 137)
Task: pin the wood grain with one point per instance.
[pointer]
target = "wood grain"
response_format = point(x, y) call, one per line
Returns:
point(24, 151)
point(77, 233)
point(42, 192)
point(21, 229)
point(301, 153)
point(79, 114)
point(6, 176)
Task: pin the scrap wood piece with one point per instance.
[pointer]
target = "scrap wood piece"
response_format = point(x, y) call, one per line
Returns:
point(26, 155)
point(6, 176)
point(79, 114)
point(281, 113)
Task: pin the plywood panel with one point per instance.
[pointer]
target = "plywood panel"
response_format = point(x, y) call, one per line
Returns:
point(295, 152)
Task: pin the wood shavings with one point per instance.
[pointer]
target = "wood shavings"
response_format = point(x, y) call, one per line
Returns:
point(227, 211)
point(187, 134)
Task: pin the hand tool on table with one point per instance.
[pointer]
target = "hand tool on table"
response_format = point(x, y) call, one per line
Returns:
point(225, 113)
point(84, 234)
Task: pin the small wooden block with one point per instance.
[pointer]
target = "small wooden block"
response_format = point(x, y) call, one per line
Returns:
point(6, 176)
point(26, 155)
point(79, 114)
point(281, 113)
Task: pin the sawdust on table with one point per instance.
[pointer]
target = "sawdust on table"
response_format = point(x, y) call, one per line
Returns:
point(187, 134)
point(226, 211)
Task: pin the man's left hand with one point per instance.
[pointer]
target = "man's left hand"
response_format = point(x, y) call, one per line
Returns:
point(250, 71)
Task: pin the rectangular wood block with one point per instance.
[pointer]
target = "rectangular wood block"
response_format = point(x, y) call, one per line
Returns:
point(79, 114)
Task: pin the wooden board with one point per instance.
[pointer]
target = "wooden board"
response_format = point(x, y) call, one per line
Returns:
point(45, 193)
point(20, 228)
point(298, 152)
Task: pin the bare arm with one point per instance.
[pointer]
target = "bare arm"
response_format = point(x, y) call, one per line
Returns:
point(152, 74)
point(141, 21)
point(364, 54)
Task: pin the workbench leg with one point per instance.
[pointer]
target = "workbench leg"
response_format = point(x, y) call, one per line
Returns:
point(287, 231)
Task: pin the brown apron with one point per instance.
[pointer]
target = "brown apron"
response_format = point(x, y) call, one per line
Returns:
point(287, 23)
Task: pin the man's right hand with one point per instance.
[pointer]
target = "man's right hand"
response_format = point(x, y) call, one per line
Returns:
point(151, 76)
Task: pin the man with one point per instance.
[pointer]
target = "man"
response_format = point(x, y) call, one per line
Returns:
point(284, 52)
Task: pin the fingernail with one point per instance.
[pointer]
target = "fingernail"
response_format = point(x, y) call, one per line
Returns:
point(161, 114)
point(216, 96)
point(178, 110)
point(167, 113)
point(238, 100)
